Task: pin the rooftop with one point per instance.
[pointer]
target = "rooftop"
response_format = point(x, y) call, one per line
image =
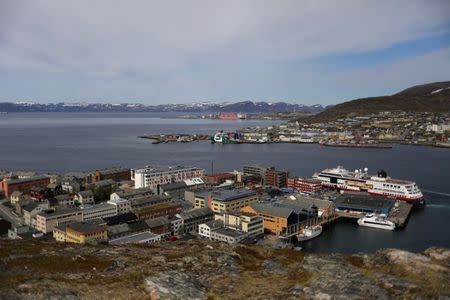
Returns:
point(86, 227)
point(164, 169)
point(59, 212)
point(197, 212)
point(229, 232)
point(268, 209)
point(134, 238)
point(361, 200)
point(226, 195)
point(21, 180)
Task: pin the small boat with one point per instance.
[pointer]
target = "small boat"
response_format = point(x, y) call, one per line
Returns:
point(375, 221)
point(309, 233)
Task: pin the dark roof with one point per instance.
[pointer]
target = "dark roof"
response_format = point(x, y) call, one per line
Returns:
point(157, 222)
point(86, 193)
point(268, 209)
point(361, 200)
point(229, 232)
point(227, 195)
point(30, 206)
point(197, 212)
point(173, 186)
point(123, 218)
point(86, 227)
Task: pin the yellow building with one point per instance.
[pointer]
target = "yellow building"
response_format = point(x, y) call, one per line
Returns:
point(225, 200)
point(82, 233)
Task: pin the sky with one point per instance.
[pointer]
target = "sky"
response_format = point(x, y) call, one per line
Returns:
point(157, 52)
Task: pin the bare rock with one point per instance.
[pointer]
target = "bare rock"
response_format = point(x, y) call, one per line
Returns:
point(174, 285)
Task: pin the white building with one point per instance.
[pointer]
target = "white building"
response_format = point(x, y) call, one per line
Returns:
point(205, 229)
point(145, 237)
point(151, 177)
point(102, 210)
point(123, 205)
point(251, 225)
point(176, 225)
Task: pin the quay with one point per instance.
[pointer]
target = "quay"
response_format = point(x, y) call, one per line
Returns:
point(353, 206)
point(181, 138)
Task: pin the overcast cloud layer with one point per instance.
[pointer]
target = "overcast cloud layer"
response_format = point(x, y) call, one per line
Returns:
point(182, 51)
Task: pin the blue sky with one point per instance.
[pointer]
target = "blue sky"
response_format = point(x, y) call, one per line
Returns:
point(157, 52)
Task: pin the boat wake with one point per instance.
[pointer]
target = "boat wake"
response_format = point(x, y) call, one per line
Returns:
point(436, 193)
point(440, 206)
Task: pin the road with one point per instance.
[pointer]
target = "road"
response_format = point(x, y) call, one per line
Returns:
point(8, 215)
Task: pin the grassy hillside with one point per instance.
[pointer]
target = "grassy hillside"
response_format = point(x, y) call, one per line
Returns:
point(432, 97)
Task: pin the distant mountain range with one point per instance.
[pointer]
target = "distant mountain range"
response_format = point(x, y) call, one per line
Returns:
point(242, 107)
point(431, 97)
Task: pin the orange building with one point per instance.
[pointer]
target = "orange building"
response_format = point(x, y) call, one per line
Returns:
point(275, 219)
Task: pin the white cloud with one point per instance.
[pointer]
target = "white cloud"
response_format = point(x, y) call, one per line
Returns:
point(171, 43)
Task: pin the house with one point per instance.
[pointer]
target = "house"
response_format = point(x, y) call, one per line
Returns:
point(130, 194)
point(71, 186)
point(144, 201)
point(30, 211)
point(176, 225)
point(18, 197)
point(84, 197)
point(65, 200)
point(124, 229)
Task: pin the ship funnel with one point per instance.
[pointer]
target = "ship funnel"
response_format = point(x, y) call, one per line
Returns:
point(366, 169)
point(382, 173)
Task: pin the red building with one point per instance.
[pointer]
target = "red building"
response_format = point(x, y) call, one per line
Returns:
point(276, 178)
point(116, 174)
point(228, 116)
point(160, 210)
point(304, 185)
point(218, 178)
point(24, 185)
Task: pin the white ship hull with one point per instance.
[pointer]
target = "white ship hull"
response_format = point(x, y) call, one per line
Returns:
point(376, 222)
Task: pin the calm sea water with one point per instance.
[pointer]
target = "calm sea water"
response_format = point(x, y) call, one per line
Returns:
point(58, 142)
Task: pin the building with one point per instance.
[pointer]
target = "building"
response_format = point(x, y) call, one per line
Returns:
point(46, 221)
point(176, 225)
point(123, 205)
point(205, 229)
point(324, 208)
point(81, 233)
point(131, 194)
point(255, 170)
point(251, 224)
point(218, 178)
point(193, 218)
point(65, 200)
point(115, 174)
point(160, 225)
point(305, 185)
point(8, 186)
point(159, 210)
point(99, 211)
point(153, 176)
point(84, 197)
point(30, 211)
point(71, 186)
point(225, 200)
point(275, 219)
point(145, 237)
point(177, 190)
point(17, 197)
point(276, 178)
point(227, 235)
point(364, 203)
point(147, 201)
point(124, 229)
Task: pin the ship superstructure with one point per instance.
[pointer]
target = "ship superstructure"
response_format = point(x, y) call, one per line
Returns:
point(380, 184)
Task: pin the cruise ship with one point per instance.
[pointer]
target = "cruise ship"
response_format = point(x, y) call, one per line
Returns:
point(380, 185)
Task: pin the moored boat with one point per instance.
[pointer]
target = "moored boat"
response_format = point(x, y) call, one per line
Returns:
point(376, 221)
point(309, 233)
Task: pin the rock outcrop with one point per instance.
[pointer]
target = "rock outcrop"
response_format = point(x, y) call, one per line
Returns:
point(205, 270)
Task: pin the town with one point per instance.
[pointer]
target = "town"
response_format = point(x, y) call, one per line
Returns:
point(377, 130)
point(258, 204)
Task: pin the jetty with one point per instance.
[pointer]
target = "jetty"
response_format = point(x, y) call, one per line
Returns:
point(175, 138)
